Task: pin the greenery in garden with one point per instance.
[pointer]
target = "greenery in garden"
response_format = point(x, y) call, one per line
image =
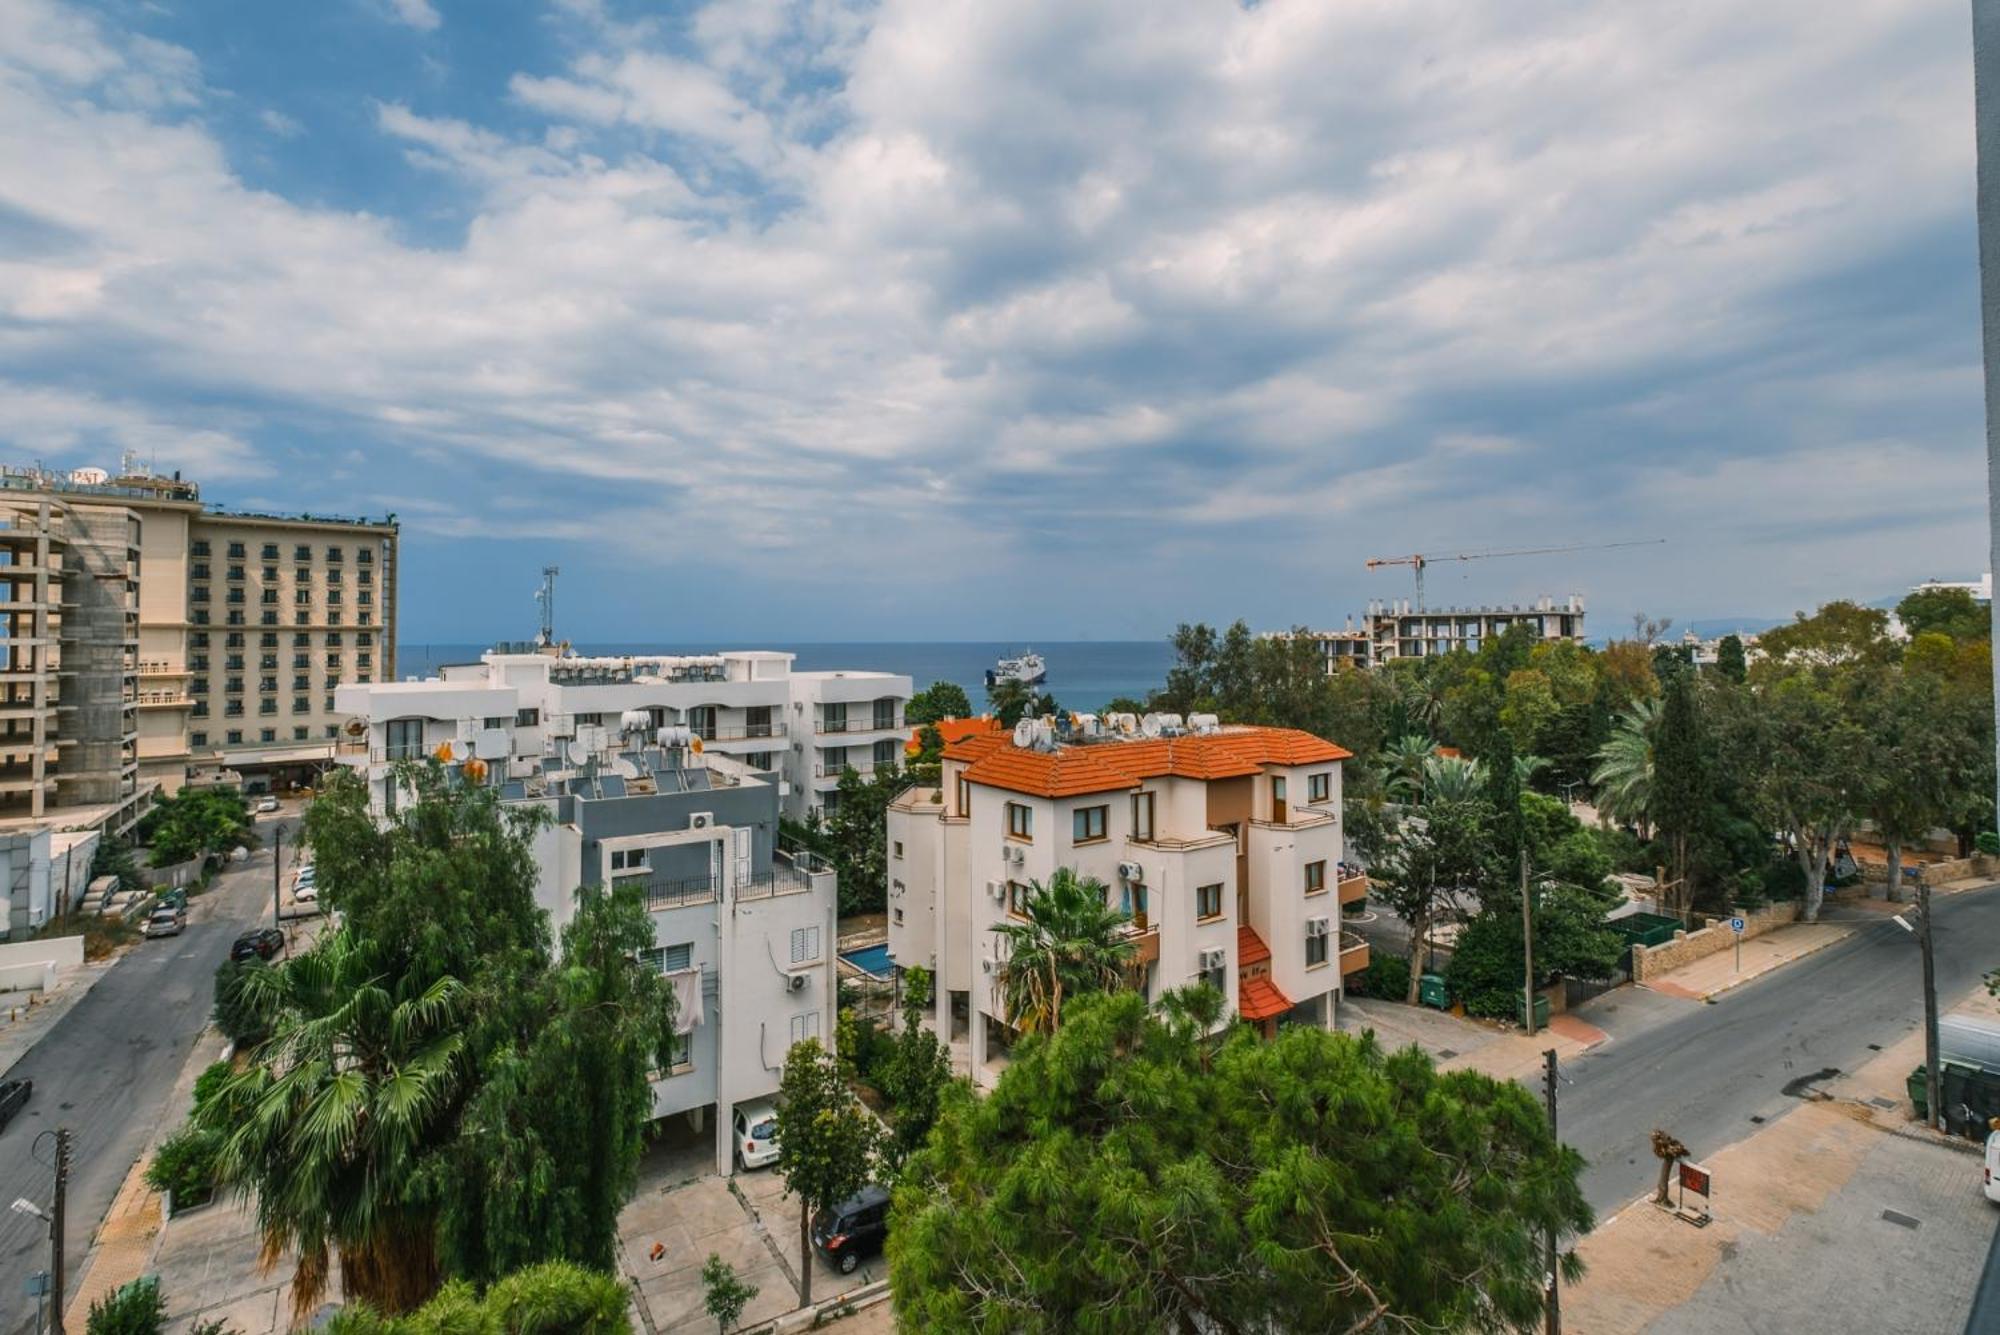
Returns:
point(131, 1309)
point(830, 1141)
point(936, 702)
point(724, 1295)
point(1066, 943)
point(853, 837)
point(412, 1114)
point(197, 823)
point(553, 1298)
point(1131, 1173)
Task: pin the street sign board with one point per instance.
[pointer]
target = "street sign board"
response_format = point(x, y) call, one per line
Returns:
point(1736, 926)
point(1694, 1177)
point(38, 1283)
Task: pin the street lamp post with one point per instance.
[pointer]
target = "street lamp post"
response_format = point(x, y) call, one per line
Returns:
point(278, 882)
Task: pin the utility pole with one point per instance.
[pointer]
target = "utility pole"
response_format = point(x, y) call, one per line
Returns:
point(56, 1230)
point(278, 881)
point(1933, 1078)
point(1552, 1306)
point(1528, 950)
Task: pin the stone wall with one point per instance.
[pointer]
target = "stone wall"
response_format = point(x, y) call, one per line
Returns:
point(1710, 939)
point(1936, 873)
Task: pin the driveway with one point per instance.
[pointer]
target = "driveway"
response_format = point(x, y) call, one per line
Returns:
point(106, 1070)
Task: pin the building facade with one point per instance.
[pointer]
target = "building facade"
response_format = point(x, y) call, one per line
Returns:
point(744, 930)
point(1221, 844)
point(245, 623)
point(1398, 630)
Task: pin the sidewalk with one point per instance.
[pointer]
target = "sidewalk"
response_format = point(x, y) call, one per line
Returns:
point(1721, 972)
point(1845, 1195)
point(1462, 1044)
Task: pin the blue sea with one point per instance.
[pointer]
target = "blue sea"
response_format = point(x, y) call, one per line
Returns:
point(1083, 674)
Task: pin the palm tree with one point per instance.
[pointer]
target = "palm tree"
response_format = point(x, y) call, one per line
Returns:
point(330, 1123)
point(1403, 763)
point(1624, 774)
point(1070, 941)
point(1452, 779)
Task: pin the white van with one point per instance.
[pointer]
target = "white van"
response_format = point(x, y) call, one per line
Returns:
point(1993, 1166)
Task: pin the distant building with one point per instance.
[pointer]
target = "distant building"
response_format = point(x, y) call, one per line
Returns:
point(1223, 844)
point(1337, 647)
point(654, 774)
point(1398, 630)
point(242, 625)
point(1981, 589)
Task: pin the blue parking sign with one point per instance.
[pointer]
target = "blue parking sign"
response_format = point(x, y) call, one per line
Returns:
point(1736, 925)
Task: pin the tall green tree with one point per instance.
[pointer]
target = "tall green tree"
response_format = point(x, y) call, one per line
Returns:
point(1009, 700)
point(1624, 774)
point(1067, 942)
point(1730, 661)
point(830, 1142)
point(938, 701)
point(1437, 864)
point(857, 837)
point(1951, 612)
point(1131, 1174)
point(1679, 796)
point(196, 823)
point(1811, 755)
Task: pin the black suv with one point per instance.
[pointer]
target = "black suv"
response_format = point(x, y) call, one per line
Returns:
point(855, 1228)
point(13, 1097)
point(261, 944)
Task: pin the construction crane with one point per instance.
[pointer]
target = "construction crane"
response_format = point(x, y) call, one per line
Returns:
point(1419, 560)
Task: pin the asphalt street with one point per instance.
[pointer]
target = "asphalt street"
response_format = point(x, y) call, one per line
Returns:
point(1712, 1073)
point(106, 1070)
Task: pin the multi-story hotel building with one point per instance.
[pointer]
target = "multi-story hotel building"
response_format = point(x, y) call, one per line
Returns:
point(1222, 844)
point(661, 773)
point(1398, 630)
point(245, 623)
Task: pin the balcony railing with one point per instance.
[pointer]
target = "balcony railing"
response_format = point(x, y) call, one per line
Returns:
point(868, 724)
point(1353, 885)
point(746, 732)
point(1353, 952)
point(1145, 938)
point(695, 890)
point(862, 767)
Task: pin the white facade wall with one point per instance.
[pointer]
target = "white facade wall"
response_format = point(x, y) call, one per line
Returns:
point(814, 758)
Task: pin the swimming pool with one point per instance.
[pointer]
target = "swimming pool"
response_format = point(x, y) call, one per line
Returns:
point(871, 960)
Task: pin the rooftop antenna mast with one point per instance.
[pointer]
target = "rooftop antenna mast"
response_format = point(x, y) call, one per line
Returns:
point(1419, 560)
point(546, 596)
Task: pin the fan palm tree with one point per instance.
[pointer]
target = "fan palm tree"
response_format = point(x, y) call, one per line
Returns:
point(1403, 764)
point(330, 1123)
point(1623, 778)
point(1068, 942)
point(1452, 779)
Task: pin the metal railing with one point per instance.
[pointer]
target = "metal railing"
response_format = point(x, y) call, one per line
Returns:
point(870, 724)
point(747, 732)
point(864, 768)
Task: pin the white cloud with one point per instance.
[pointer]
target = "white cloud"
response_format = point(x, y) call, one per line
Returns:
point(1018, 284)
point(418, 14)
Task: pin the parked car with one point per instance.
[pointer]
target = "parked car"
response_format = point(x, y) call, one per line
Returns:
point(266, 805)
point(305, 885)
point(166, 922)
point(855, 1228)
point(756, 1135)
point(1992, 1164)
point(13, 1097)
point(261, 944)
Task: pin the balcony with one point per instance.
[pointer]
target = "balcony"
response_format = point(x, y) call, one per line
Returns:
point(869, 724)
point(1353, 952)
point(1353, 885)
point(865, 768)
point(1145, 938)
point(746, 732)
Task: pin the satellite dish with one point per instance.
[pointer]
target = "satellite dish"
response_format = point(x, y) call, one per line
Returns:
point(624, 768)
point(1024, 733)
point(1149, 726)
point(577, 753)
point(355, 727)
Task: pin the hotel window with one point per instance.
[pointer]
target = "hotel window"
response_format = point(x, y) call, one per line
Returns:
point(236, 551)
point(267, 735)
point(234, 685)
point(833, 718)
point(1208, 901)
point(899, 850)
point(805, 1026)
point(302, 704)
point(1088, 824)
point(234, 709)
point(1218, 977)
point(332, 639)
point(235, 738)
point(364, 556)
point(527, 718)
point(236, 572)
point(199, 639)
point(1319, 932)
point(964, 797)
point(364, 618)
point(333, 597)
point(1316, 877)
point(200, 617)
point(198, 572)
point(885, 753)
point(300, 640)
point(1319, 787)
point(267, 706)
point(302, 553)
point(199, 663)
point(628, 859)
point(366, 577)
point(303, 574)
point(701, 721)
point(200, 547)
point(267, 684)
point(199, 593)
point(270, 574)
point(268, 619)
point(334, 553)
point(885, 712)
point(1020, 821)
point(268, 640)
point(235, 596)
point(362, 638)
point(1142, 816)
point(197, 739)
point(1017, 899)
point(270, 596)
point(300, 662)
point(333, 577)
point(234, 662)
point(269, 662)
point(302, 618)
point(233, 640)
point(329, 704)
point(235, 619)
point(332, 730)
point(364, 661)
point(405, 738)
point(200, 686)
point(301, 733)
point(270, 552)
point(200, 708)
point(302, 597)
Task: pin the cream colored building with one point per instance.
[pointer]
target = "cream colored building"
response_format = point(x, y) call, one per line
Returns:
point(246, 624)
point(1222, 844)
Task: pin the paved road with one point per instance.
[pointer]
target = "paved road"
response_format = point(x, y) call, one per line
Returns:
point(1705, 1072)
point(106, 1070)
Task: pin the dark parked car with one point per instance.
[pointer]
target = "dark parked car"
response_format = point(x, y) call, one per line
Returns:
point(855, 1228)
point(13, 1098)
point(260, 944)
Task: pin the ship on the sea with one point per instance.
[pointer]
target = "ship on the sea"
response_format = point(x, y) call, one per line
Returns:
point(1026, 668)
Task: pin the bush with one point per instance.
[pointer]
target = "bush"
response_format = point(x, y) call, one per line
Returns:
point(135, 1309)
point(1784, 878)
point(1387, 976)
point(209, 1082)
point(234, 1015)
point(867, 1045)
point(185, 1165)
point(1485, 968)
point(1988, 843)
point(558, 1298)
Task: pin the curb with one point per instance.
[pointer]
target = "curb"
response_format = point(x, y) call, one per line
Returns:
point(1708, 998)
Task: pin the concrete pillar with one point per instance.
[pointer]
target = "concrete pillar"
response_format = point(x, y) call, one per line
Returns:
point(725, 1135)
point(976, 1036)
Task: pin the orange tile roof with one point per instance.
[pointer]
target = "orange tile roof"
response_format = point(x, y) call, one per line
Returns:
point(1260, 999)
point(954, 729)
point(1096, 767)
point(1250, 947)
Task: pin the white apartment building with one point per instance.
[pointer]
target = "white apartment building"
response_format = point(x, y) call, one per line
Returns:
point(744, 930)
point(1223, 844)
point(1398, 630)
point(842, 721)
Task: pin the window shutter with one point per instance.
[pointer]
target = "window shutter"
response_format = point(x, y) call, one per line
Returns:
point(676, 957)
point(805, 944)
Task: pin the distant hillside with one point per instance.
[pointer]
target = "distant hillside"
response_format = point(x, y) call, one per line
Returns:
point(1710, 628)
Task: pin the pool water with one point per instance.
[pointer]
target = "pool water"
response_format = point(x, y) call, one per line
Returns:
point(870, 959)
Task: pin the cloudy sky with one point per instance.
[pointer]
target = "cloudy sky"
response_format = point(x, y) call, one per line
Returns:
point(805, 320)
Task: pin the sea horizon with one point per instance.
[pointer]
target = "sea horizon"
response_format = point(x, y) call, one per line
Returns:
point(1082, 674)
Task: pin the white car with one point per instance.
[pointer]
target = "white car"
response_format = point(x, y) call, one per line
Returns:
point(267, 805)
point(304, 888)
point(756, 1134)
point(1993, 1166)
point(166, 922)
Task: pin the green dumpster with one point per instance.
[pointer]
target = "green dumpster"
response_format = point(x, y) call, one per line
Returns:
point(1917, 1091)
point(1431, 991)
point(1541, 1011)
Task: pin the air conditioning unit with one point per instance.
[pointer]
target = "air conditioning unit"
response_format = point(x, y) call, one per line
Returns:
point(1215, 957)
point(796, 982)
point(997, 889)
point(1131, 871)
point(1016, 854)
point(1319, 926)
point(701, 820)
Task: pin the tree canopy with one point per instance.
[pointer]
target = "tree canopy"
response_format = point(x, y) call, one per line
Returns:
point(938, 701)
point(1130, 1173)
